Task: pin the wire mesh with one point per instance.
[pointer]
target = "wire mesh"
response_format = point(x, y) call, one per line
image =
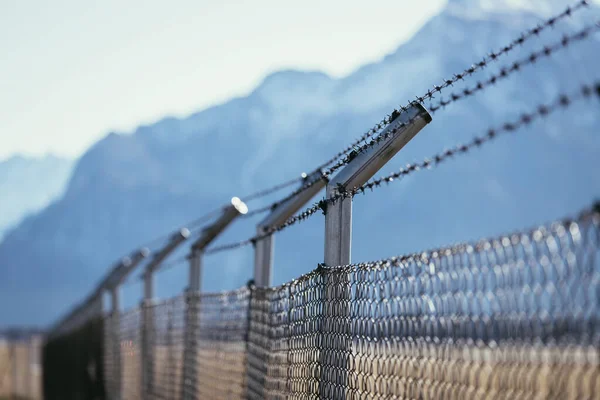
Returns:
point(109, 361)
point(130, 347)
point(511, 317)
point(515, 316)
point(221, 340)
point(167, 349)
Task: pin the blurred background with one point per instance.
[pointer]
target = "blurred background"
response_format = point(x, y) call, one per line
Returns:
point(122, 121)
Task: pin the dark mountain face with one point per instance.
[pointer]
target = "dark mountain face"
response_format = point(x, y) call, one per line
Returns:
point(130, 188)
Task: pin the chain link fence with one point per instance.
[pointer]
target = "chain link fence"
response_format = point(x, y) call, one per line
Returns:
point(516, 316)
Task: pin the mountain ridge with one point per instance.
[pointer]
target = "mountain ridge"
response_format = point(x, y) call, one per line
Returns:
point(129, 188)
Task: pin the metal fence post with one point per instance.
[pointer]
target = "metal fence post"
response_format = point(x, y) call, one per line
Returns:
point(113, 283)
point(263, 258)
point(189, 388)
point(335, 329)
point(171, 366)
point(257, 358)
point(147, 325)
point(263, 248)
point(115, 327)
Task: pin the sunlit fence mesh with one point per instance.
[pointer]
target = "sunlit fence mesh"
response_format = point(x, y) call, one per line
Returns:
point(512, 317)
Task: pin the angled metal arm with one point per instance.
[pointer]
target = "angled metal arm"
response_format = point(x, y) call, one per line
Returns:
point(113, 283)
point(338, 218)
point(230, 213)
point(160, 256)
point(189, 381)
point(147, 328)
point(122, 270)
point(208, 235)
point(338, 240)
point(263, 248)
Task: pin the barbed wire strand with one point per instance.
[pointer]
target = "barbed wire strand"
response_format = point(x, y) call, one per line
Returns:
point(507, 70)
point(541, 111)
point(132, 279)
point(353, 149)
point(483, 63)
point(503, 73)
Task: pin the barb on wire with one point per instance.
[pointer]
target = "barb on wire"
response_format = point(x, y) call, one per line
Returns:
point(541, 111)
point(504, 72)
point(590, 212)
point(483, 63)
point(507, 70)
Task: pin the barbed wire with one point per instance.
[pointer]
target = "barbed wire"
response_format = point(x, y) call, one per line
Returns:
point(483, 63)
point(507, 70)
point(503, 73)
point(590, 212)
point(309, 182)
point(191, 226)
point(355, 148)
point(541, 111)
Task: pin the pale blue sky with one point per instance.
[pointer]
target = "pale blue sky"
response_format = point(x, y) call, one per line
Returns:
point(72, 70)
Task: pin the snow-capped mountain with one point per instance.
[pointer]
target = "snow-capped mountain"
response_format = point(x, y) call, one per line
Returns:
point(129, 188)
